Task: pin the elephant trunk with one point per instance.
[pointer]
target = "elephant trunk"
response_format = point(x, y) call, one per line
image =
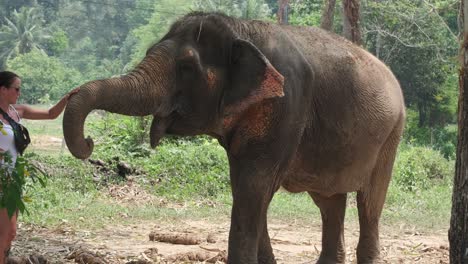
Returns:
point(144, 91)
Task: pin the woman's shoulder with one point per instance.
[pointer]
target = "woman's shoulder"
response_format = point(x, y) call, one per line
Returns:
point(17, 109)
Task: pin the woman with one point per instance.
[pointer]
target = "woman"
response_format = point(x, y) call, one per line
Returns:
point(10, 90)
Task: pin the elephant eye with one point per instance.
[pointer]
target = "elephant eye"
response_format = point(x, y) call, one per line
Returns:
point(186, 69)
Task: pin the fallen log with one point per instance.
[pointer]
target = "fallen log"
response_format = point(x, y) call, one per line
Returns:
point(199, 256)
point(176, 238)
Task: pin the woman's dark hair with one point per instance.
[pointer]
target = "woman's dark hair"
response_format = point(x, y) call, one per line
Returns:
point(7, 78)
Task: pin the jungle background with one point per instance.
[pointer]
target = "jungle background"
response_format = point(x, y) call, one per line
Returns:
point(126, 190)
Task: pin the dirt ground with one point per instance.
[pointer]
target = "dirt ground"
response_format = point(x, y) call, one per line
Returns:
point(292, 242)
point(206, 240)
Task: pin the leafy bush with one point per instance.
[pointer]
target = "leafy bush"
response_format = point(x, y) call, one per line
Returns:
point(443, 139)
point(179, 167)
point(186, 168)
point(306, 13)
point(419, 168)
point(58, 42)
point(43, 77)
point(17, 179)
point(119, 135)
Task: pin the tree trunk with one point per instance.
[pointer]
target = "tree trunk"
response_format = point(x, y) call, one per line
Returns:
point(351, 28)
point(326, 22)
point(458, 233)
point(283, 11)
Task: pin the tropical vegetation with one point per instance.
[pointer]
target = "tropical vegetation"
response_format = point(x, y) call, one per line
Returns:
point(56, 45)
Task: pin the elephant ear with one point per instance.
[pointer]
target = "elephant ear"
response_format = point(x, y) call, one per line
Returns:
point(252, 78)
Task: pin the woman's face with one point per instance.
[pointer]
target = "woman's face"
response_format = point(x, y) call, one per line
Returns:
point(12, 93)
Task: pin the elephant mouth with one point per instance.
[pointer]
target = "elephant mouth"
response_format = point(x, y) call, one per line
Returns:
point(158, 129)
point(173, 124)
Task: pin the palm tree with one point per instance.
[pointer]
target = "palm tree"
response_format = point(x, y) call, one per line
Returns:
point(22, 34)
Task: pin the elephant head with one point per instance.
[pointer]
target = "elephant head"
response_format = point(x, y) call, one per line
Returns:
point(196, 80)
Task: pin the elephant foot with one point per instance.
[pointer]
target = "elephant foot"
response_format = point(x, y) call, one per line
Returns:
point(266, 260)
point(371, 254)
point(330, 260)
point(373, 260)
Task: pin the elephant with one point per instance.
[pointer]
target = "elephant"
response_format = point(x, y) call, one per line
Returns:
point(293, 107)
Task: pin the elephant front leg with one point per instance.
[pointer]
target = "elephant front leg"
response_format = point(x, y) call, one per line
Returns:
point(247, 224)
point(265, 251)
point(248, 238)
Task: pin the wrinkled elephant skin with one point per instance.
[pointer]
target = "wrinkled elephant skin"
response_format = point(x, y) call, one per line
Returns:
point(296, 107)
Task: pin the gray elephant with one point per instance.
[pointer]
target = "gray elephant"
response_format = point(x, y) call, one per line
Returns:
point(296, 107)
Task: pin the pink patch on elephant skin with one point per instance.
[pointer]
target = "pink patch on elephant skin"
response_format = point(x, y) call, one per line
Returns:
point(273, 83)
point(252, 124)
point(211, 78)
point(270, 87)
point(257, 121)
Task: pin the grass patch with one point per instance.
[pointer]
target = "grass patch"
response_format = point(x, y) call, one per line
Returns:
point(427, 210)
point(295, 207)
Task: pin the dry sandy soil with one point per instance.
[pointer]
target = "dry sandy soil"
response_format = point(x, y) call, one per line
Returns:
point(292, 242)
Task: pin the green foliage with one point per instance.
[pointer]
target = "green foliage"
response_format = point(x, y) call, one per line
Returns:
point(420, 46)
point(9, 6)
point(426, 208)
point(247, 9)
point(95, 32)
point(70, 187)
point(58, 42)
point(140, 13)
point(90, 66)
point(43, 77)
point(15, 182)
point(22, 33)
point(306, 13)
point(165, 12)
point(418, 168)
point(108, 68)
point(121, 135)
point(105, 38)
point(255, 9)
point(176, 165)
point(441, 138)
point(186, 168)
point(177, 162)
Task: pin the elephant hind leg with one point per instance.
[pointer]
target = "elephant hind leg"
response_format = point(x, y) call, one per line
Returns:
point(371, 198)
point(333, 210)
